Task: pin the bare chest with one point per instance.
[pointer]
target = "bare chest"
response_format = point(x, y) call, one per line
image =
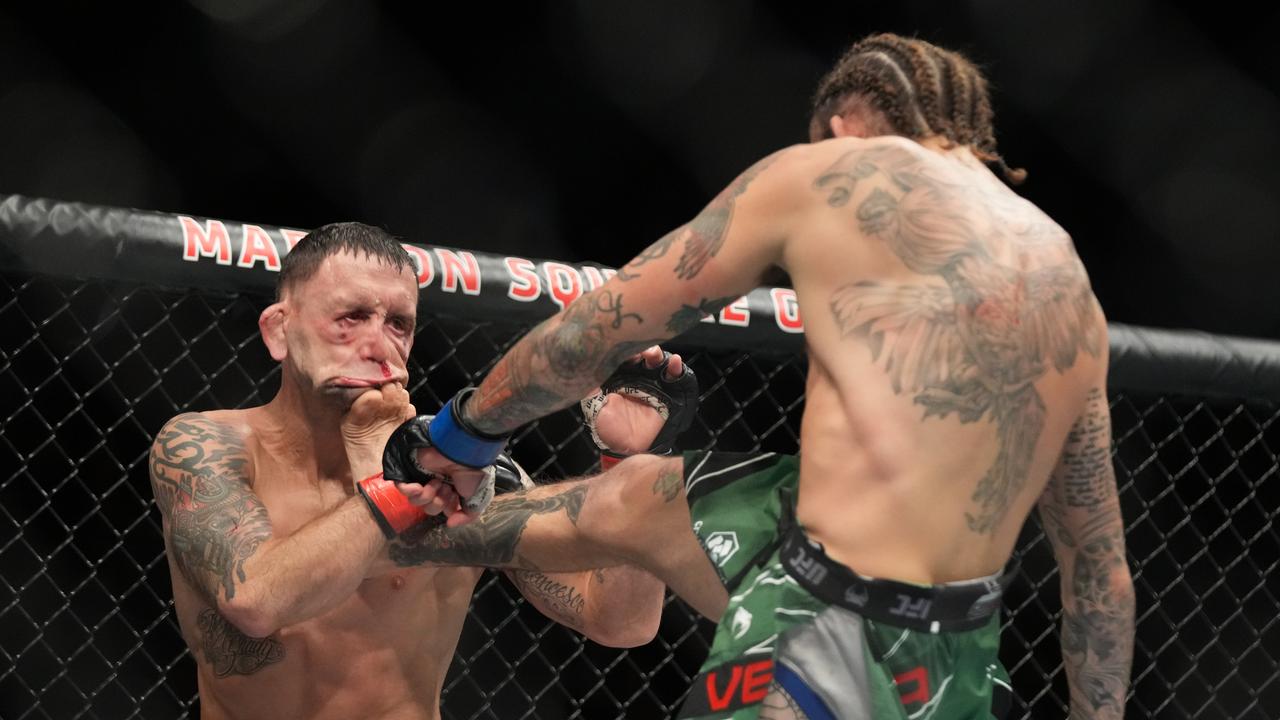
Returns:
point(385, 646)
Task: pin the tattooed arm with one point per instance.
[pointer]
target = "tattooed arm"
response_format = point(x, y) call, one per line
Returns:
point(634, 514)
point(219, 533)
point(616, 607)
point(1080, 510)
point(695, 270)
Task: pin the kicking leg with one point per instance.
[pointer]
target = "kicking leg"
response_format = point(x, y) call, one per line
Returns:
point(635, 513)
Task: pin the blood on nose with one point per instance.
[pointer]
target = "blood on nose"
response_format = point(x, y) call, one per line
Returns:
point(386, 370)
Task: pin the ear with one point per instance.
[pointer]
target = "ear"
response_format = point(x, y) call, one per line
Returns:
point(850, 125)
point(271, 324)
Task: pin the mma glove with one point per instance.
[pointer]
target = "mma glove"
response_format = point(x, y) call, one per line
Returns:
point(674, 399)
point(393, 511)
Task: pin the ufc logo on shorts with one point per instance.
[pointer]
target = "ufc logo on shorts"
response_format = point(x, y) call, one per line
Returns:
point(908, 608)
point(807, 567)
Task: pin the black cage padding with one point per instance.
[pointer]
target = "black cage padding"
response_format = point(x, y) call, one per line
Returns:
point(108, 332)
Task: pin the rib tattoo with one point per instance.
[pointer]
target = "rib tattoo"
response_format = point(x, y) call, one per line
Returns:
point(229, 651)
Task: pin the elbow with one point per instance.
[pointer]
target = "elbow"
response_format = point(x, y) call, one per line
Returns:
point(632, 630)
point(625, 635)
point(1122, 581)
point(249, 614)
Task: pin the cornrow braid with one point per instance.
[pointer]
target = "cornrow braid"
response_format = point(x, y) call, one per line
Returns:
point(902, 66)
point(920, 89)
point(946, 94)
point(961, 110)
point(928, 88)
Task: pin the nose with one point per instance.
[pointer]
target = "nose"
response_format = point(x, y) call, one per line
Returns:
point(374, 345)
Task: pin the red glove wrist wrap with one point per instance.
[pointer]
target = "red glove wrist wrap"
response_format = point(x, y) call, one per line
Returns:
point(389, 506)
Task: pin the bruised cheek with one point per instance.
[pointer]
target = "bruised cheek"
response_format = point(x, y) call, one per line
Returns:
point(338, 335)
point(329, 343)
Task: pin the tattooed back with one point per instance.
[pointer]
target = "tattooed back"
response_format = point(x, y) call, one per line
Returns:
point(953, 341)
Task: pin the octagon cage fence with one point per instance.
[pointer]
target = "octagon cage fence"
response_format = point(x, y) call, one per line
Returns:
point(114, 320)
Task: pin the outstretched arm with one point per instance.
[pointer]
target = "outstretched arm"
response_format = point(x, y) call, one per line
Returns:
point(693, 271)
point(1080, 510)
point(635, 514)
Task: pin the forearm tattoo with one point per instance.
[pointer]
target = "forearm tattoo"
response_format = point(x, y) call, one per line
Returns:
point(214, 522)
point(556, 363)
point(974, 338)
point(1087, 478)
point(493, 539)
point(1081, 515)
point(567, 355)
point(1098, 628)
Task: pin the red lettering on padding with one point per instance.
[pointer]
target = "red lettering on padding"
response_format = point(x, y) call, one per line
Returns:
point(208, 241)
point(786, 311)
point(257, 246)
point(524, 285)
point(594, 277)
point(459, 267)
point(426, 268)
point(563, 282)
point(291, 237)
point(737, 313)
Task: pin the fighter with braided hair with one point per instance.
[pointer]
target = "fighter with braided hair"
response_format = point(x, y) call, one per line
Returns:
point(957, 365)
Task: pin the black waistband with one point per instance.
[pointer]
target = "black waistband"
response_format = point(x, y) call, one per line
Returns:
point(928, 608)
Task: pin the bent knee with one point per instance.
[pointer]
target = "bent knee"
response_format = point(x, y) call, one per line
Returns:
point(639, 499)
point(649, 481)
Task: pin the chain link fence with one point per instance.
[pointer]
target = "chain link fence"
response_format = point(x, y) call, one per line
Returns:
point(90, 370)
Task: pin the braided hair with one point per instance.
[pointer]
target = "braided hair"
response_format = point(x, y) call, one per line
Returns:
point(919, 89)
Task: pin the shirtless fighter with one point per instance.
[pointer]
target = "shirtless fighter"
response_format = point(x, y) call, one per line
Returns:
point(270, 548)
point(957, 378)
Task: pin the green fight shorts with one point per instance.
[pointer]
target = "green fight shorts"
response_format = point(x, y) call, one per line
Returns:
point(804, 632)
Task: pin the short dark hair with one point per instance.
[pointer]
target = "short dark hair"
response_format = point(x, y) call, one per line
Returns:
point(921, 89)
point(356, 238)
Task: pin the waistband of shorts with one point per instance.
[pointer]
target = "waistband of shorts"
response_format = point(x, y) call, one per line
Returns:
point(950, 607)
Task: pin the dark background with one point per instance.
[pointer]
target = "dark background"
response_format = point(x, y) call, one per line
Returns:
point(584, 130)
